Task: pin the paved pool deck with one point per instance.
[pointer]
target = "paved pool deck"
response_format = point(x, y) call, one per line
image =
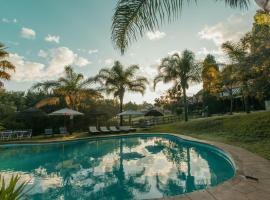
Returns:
point(251, 182)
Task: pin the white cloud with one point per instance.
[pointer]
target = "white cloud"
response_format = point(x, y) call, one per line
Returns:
point(108, 61)
point(218, 53)
point(28, 33)
point(60, 57)
point(42, 53)
point(157, 35)
point(80, 61)
point(33, 71)
point(26, 70)
point(231, 29)
point(92, 51)
point(52, 38)
point(5, 20)
point(174, 52)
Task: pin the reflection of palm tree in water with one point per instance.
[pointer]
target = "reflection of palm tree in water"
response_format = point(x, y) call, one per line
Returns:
point(120, 186)
point(176, 154)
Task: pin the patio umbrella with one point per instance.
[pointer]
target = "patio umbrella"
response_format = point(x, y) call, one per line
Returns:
point(66, 112)
point(153, 113)
point(130, 113)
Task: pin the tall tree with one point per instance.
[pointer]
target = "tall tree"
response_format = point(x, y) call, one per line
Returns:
point(181, 70)
point(238, 53)
point(5, 65)
point(259, 41)
point(117, 81)
point(210, 75)
point(228, 81)
point(72, 88)
point(132, 18)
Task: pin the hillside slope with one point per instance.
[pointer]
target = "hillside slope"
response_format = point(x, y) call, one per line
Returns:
point(250, 131)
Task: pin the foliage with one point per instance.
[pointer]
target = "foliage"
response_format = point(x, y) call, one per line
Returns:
point(72, 88)
point(132, 18)
point(181, 70)
point(5, 66)
point(117, 81)
point(13, 190)
point(210, 75)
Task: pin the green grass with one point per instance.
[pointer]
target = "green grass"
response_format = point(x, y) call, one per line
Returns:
point(250, 131)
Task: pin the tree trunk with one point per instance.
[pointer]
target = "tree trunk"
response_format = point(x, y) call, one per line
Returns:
point(246, 100)
point(121, 109)
point(246, 97)
point(185, 105)
point(231, 99)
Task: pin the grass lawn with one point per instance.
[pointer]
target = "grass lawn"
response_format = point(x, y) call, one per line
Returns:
point(250, 131)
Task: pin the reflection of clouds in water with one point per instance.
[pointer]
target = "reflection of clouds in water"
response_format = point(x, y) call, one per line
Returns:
point(98, 167)
point(199, 168)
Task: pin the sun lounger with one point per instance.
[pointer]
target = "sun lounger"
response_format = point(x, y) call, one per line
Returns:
point(63, 130)
point(93, 129)
point(126, 128)
point(104, 129)
point(48, 131)
point(114, 129)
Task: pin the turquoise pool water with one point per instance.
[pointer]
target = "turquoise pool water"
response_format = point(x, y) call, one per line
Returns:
point(133, 167)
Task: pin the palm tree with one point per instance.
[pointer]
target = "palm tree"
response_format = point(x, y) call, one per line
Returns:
point(181, 70)
point(5, 66)
point(72, 88)
point(117, 81)
point(132, 18)
point(228, 80)
point(239, 53)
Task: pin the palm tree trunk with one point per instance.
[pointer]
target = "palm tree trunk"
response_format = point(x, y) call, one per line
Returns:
point(121, 109)
point(246, 99)
point(231, 99)
point(185, 105)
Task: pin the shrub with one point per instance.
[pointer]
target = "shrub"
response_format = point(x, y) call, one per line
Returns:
point(13, 190)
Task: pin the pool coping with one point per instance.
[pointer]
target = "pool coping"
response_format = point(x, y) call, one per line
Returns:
point(251, 181)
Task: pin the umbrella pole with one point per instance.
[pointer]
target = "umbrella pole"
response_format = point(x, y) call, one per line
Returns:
point(71, 124)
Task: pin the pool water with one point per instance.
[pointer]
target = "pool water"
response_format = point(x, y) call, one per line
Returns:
point(133, 167)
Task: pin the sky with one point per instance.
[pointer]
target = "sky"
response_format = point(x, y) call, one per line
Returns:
point(44, 36)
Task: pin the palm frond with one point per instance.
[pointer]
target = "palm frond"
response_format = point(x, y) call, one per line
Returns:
point(132, 18)
point(4, 75)
point(47, 101)
point(6, 65)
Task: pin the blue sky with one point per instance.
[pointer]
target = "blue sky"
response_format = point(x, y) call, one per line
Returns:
point(44, 36)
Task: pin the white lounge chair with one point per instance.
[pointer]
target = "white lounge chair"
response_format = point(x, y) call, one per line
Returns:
point(104, 129)
point(126, 128)
point(93, 129)
point(114, 129)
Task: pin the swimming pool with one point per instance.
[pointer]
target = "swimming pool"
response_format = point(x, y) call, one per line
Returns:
point(121, 167)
